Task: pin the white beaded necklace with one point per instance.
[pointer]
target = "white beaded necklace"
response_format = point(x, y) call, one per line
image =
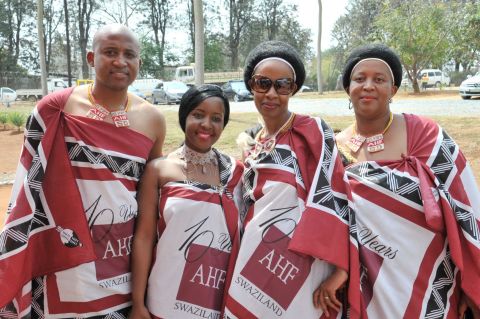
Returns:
point(195, 158)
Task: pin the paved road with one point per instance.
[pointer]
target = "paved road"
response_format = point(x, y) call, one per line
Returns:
point(339, 106)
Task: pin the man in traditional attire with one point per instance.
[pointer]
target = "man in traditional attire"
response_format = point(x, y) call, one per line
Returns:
point(64, 250)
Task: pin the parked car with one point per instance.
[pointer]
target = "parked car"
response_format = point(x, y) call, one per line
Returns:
point(470, 87)
point(237, 91)
point(305, 88)
point(7, 96)
point(169, 92)
point(434, 77)
point(136, 91)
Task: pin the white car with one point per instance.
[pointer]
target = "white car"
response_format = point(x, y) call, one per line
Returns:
point(7, 96)
point(436, 78)
point(470, 87)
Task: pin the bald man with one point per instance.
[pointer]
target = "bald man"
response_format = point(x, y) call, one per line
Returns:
point(65, 247)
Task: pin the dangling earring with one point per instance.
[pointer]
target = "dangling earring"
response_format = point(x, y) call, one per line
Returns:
point(349, 104)
point(390, 100)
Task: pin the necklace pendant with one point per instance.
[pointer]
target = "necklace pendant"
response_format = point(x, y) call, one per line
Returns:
point(120, 119)
point(355, 142)
point(269, 145)
point(97, 112)
point(375, 143)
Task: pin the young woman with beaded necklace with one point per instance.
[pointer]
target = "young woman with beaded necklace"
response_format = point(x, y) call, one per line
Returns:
point(188, 217)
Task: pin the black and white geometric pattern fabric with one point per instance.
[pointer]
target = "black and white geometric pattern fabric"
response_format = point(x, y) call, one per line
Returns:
point(390, 181)
point(14, 237)
point(281, 156)
point(323, 194)
point(80, 153)
point(443, 165)
point(442, 284)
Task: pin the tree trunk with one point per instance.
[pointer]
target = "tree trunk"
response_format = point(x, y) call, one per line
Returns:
point(67, 36)
point(41, 44)
point(319, 49)
point(85, 8)
point(199, 42)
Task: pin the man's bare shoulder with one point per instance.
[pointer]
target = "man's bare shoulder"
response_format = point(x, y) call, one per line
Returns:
point(146, 108)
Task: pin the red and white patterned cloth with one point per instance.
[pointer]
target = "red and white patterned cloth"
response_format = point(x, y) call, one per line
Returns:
point(415, 229)
point(66, 243)
point(275, 275)
point(197, 239)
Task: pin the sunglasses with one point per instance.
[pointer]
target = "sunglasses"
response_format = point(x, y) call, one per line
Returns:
point(262, 84)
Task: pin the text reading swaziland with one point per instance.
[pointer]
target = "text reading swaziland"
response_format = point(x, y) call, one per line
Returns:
point(260, 296)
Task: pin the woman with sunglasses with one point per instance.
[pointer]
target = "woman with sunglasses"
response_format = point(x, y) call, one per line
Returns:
point(292, 173)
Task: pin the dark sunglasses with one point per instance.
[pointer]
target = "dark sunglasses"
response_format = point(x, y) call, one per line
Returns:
point(262, 84)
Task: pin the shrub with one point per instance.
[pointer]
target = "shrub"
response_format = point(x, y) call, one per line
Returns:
point(4, 119)
point(17, 119)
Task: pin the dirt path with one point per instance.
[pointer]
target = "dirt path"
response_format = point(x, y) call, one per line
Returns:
point(4, 197)
point(10, 147)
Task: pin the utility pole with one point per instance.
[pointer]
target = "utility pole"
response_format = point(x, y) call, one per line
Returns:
point(126, 12)
point(199, 42)
point(41, 45)
point(319, 49)
point(67, 35)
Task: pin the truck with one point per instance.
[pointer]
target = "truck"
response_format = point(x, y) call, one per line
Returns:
point(186, 74)
point(7, 96)
point(36, 94)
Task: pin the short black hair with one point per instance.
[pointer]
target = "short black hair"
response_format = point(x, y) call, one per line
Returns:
point(277, 49)
point(375, 50)
point(196, 95)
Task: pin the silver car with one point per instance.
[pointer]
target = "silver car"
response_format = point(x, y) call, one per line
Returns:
point(470, 87)
point(169, 92)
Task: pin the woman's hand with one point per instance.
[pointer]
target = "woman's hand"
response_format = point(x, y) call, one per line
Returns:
point(139, 312)
point(465, 303)
point(325, 295)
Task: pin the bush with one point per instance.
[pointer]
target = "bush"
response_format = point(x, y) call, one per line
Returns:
point(457, 77)
point(4, 119)
point(17, 119)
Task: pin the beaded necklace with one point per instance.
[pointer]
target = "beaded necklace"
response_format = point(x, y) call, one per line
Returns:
point(268, 144)
point(375, 143)
point(98, 112)
point(195, 158)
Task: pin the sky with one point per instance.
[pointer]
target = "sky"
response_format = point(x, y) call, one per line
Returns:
point(308, 14)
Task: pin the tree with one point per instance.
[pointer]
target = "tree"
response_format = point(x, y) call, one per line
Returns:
point(52, 17)
point(84, 15)
point(240, 14)
point(112, 11)
point(159, 19)
point(355, 27)
point(416, 29)
point(13, 25)
point(464, 43)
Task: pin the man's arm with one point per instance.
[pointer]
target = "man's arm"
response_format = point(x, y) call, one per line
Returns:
point(159, 126)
